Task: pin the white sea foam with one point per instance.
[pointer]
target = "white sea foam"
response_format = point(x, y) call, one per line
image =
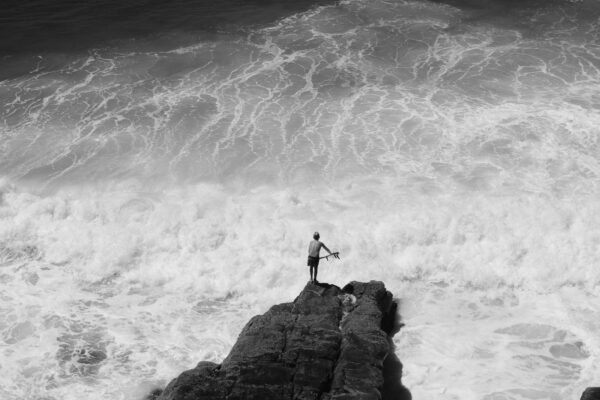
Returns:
point(153, 201)
point(401, 88)
point(159, 280)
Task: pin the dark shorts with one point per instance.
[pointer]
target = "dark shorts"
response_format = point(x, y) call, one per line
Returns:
point(312, 261)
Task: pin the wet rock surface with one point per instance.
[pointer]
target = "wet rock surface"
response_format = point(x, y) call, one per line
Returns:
point(591, 393)
point(330, 343)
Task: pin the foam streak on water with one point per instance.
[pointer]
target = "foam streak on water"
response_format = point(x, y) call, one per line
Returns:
point(358, 88)
point(155, 197)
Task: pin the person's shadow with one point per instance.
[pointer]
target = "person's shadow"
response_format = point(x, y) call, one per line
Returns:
point(392, 367)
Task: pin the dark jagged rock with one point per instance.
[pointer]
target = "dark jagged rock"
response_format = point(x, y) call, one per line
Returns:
point(591, 393)
point(329, 344)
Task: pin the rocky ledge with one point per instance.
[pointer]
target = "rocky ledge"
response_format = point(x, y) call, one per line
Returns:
point(330, 343)
point(591, 393)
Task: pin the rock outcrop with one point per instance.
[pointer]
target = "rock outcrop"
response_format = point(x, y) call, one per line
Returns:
point(591, 393)
point(330, 343)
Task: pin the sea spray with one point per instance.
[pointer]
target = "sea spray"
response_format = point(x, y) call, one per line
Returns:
point(162, 274)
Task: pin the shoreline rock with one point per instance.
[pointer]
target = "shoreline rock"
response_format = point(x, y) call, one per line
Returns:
point(591, 393)
point(329, 343)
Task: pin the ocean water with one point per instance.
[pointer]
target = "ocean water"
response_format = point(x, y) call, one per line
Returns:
point(163, 167)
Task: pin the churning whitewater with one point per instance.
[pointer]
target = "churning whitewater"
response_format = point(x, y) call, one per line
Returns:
point(155, 194)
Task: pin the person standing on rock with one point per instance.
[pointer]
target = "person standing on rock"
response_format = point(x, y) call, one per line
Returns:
point(313, 255)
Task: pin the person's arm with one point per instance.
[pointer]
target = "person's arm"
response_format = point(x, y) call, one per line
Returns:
point(325, 247)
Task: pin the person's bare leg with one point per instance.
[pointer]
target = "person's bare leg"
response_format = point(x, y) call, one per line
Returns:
point(316, 270)
point(311, 273)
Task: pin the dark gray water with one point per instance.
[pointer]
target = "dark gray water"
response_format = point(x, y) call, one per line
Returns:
point(67, 25)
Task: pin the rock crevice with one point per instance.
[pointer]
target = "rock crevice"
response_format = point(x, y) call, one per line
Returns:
point(328, 344)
